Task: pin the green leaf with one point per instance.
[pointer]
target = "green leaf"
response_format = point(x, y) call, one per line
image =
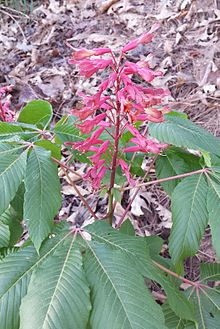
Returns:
point(6, 251)
point(127, 228)
point(117, 194)
point(213, 205)
point(209, 272)
point(66, 130)
point(48, 145)
point(190, 217)
point(207, 158)
point(18, 202)
point(42, 198)
point(115, 306)
point(15, 272)
point(175, 162)
point(176, 299)
point(58, 294)
point(8, 149)
point(36, 112)
point(12, 132)
point(136, 164)
point(12, 169)
point(155, 244)
point(184, 133)
point(172, 321)
point(178, 114)
point(4, 235)
point(13, 220)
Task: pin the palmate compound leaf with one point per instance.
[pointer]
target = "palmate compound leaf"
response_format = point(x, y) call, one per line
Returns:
point(42, 198)
point(136, 249)
point(12, 169)
point(15, 272)
point(58, 293)
point(213, 204)
point(184, 133)
point(190, 217)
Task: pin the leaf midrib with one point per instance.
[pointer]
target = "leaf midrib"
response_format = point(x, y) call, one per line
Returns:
point(41, 187)
point(12, 164)
point(36, 264)
point(106, 273)
point(59, 280)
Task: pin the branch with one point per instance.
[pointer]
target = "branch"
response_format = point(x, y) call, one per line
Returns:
point(203, 170)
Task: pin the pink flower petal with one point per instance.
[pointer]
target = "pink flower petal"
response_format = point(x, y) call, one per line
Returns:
point(125, 168)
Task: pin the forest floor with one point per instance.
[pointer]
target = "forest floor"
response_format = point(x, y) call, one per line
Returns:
point(34, 56)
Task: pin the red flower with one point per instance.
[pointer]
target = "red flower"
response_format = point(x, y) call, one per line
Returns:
point(125, 168)
point(144, 38)
point(143, 144)
point(89, 66)
point(99, 151)
point(6, 114)
point(96, 174)
point(83, 53)
point(86, 145)
point(87, 126)
point(141, 68)
point(92, 103)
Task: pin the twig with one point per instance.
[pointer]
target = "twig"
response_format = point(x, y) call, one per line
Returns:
point(204, 170)
point(19, 26)
point(14, 10)
point(80, 195)
point(195, 284)
point(63, 165)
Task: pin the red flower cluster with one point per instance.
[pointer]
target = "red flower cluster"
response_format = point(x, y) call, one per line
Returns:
point(111, 114)
point(6, 114)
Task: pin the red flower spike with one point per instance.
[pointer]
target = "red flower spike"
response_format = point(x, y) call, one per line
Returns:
point(127, 103)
